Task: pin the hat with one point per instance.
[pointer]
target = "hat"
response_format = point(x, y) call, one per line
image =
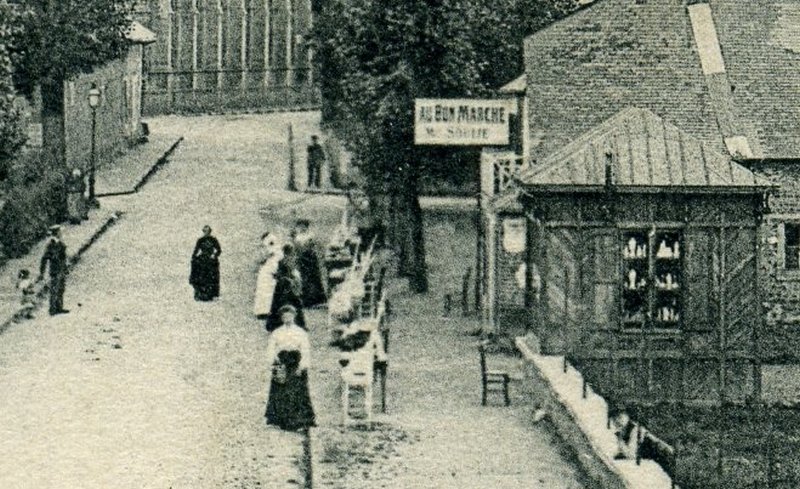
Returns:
point(287, 308)
point(54, 228)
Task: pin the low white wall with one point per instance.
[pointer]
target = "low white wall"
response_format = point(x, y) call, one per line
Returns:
point(582, 423)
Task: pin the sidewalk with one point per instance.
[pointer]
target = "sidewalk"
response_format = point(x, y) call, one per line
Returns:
point(132, 170)
point(78, 239)
point(126, 175)
point(435, 433)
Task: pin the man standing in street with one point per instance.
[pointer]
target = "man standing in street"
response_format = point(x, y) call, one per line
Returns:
point(55, 255)
point(316, 157)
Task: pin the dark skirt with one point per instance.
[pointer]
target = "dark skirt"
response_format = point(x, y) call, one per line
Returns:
point(283, 295)
point(289, 402)
point(204, 277)
point(310, 271)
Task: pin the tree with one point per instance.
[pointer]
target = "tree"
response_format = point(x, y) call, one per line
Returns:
point(376, 56)
point(58, 40)
point(12, 136)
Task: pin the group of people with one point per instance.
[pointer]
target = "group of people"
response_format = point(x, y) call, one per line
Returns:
point(290, 279)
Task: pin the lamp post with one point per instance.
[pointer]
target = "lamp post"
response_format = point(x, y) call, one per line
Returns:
point(94, 102)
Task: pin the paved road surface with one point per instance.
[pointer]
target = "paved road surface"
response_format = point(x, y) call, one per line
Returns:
point(140, 386)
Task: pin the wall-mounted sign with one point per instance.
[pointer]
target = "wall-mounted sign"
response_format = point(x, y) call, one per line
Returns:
point(462, 122)
point(514, 235)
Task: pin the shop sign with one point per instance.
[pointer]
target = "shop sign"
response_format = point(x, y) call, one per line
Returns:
point(514, 235)
point(462, 122)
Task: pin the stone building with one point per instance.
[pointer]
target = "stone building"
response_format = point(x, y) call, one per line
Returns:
point(724, 72)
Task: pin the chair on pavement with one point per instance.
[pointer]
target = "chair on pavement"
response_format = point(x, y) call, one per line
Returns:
point(358, 372)
point(492, 380)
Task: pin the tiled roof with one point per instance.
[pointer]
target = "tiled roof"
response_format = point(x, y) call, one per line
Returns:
point(642, 150)
point(612, 54)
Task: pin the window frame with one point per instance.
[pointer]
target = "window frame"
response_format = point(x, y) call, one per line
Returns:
point(651, 291)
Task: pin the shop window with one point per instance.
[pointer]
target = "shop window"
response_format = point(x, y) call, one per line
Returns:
point(652, 279)
point(791, 246)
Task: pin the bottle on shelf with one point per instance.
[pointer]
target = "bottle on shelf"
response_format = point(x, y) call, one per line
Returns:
point(630, 251)
point(632, 279)
point(663, 250)
point(676, 250)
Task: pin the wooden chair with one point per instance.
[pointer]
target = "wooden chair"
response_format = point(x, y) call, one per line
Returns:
point(492, 380)
point(358, 373)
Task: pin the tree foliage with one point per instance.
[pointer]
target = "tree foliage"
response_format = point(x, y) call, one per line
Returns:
point(57, 40)
point(63, 38)
point(376, 56)
point(12, 135)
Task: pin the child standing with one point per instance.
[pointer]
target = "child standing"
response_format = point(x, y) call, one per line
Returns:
point(25, 287)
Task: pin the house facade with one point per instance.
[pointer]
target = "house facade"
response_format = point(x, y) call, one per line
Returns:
point(723, 71)
point(119, 114)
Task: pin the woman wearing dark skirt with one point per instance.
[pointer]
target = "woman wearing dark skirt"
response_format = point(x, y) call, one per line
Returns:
point(204, 276)
point(288, 290)
point(288, 351)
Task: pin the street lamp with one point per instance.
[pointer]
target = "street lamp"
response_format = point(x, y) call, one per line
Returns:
point(94, 102)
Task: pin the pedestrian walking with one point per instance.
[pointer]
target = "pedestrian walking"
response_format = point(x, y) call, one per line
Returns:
point(272, 249)
point(55, 260)
point(289, 356)
point(309, 264)
point(204, 275)
point(288, 290)
point(316, 158)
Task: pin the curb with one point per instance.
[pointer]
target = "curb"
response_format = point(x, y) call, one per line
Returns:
point(163, 160)
point(72, 261)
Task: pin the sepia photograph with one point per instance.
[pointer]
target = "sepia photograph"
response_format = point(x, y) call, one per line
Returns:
point(399, 244)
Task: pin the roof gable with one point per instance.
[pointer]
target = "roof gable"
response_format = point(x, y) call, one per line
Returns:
point(640, 150)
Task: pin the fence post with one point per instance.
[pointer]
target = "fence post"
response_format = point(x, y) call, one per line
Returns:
point(292, 186)
point(465, 293)
point(448, 305)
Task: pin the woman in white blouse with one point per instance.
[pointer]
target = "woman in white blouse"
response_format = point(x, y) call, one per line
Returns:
point(289, 353)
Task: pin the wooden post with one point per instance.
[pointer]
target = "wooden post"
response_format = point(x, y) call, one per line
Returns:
point(292, 186)
point(243, 46)
point(448, 305)
point(465, 293)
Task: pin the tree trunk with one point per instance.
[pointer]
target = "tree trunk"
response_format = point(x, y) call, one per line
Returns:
point(414, 265)
point(418, 278)
point(54, 147)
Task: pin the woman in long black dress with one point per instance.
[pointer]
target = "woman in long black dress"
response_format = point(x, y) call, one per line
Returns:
point(288, 290)
point(204, 276)
point(288, 351)
point(309, 264)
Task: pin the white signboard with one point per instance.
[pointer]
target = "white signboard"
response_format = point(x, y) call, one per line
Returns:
point(514, 235)
point(462, 122)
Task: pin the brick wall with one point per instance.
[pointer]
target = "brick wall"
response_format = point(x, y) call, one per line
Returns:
point(781, 339)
